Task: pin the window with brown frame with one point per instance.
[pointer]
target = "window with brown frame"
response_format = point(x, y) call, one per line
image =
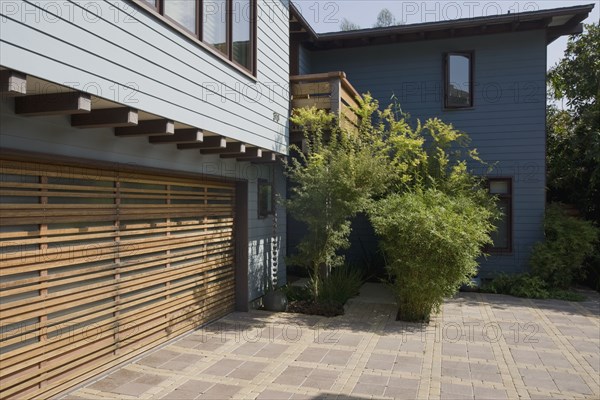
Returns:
point(226, 26)
point(458, 80)
point(502, 237)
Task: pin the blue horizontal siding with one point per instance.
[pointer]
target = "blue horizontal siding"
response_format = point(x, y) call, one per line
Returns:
point(506, 125)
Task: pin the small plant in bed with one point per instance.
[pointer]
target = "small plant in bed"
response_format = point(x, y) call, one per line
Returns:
point(528, 286)
point(335, 290)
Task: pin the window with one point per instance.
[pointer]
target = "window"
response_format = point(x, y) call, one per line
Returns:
point(502, 237)
point(265, 198)
point(214, 24)
point(181, 11)
point(241, 32)
point(458, 80)
point(226, 26)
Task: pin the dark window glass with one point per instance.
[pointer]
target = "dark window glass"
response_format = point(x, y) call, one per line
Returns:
point(265, 198)
point(183, 12)
point(225, 25)
point(214, 24)
point(503, 235)
point(242, 32)
point(459, 85)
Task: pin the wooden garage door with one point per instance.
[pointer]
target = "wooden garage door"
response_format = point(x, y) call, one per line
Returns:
point(99, 265)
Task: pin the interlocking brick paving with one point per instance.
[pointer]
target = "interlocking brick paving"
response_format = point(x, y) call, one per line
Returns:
point(480, 346)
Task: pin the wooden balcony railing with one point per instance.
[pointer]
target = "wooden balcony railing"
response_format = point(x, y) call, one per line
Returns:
point(329, 91)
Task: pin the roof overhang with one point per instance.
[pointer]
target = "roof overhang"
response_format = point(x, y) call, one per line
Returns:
point(556, 22)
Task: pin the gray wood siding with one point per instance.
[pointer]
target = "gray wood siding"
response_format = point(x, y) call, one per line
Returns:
point(506, 125)
point(109, 46)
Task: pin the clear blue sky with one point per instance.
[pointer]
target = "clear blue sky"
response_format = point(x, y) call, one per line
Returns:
point(325, 15)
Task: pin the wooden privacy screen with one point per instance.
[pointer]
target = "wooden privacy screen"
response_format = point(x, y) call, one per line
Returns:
point(99, 265)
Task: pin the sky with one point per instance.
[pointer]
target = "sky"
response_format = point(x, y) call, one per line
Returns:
point(326, 15)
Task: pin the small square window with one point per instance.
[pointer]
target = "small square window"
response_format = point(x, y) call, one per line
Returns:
point(266, 198)
point(458, 80)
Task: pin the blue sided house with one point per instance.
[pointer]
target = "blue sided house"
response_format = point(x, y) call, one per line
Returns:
point(486, 76)
point(140, 157)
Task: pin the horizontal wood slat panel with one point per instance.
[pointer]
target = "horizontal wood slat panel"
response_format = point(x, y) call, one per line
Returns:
point(53, 348)
point(17, 241)
point(122, 267)
point(136, 259)
point(93, 313)
point(26, 308)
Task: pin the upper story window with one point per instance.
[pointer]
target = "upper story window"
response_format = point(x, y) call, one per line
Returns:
point(458, 80)
point(226, 26)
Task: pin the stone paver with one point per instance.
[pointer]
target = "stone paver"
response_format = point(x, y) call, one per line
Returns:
point(479, 346)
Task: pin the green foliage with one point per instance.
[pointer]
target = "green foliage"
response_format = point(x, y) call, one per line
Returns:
point(528, 286)
point(376, 169)
point(330, 184)
point(574, 134)
point(297, 293)
point(567, 295)
point(432, 241)
point(520, 285)
point(577, 75)
point(342, 284)
point(569, 240)
point(334, 291)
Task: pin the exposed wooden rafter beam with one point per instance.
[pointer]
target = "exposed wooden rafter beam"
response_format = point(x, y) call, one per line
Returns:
point(267, 156)
point(187, 135)
point(12, 83)
point(148, 128)
point(232, 147)
point(252, 152)
point(209, 142)
point(106, 118)
point(53, 104)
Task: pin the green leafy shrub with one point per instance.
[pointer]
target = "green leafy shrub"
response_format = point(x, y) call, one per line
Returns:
point(431, 241)
point(528, 286)
point(330, 183)
point(334, 291)
point(297, 293)
point(519, 285)
point(342, 284)
point(379, 167)
point(313, 308)
point(567, 295)
point(559, 260)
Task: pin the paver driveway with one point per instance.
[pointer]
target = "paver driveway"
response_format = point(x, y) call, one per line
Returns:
point(480, 346)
